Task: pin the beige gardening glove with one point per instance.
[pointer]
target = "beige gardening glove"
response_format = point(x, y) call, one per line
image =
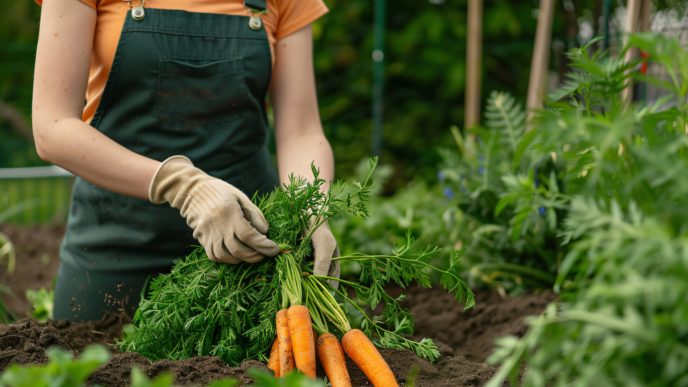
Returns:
point(324, 249)
point(224, 220)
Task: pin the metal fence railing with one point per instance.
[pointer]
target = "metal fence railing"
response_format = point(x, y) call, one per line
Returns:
point(34, 195)
point(672, 23)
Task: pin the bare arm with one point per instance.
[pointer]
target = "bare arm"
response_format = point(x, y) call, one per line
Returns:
point(61, 73)
point(299, 134)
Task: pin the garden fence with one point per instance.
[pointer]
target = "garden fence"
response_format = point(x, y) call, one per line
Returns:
point(34, 195)
point(669, 22)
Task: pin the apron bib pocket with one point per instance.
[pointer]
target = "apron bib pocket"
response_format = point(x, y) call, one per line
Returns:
point(192, 95)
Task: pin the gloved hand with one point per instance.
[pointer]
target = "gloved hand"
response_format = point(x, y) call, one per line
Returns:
point(324, 249)
point(224, 220)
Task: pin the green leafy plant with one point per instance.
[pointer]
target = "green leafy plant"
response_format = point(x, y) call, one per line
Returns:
point(622, 317)
point(41, 303)
point(419, 208)
point(62, 370)
point(206, 308)
point(6, 315)
point(140, 379)
point(263, 378)
point(7, 252)
point(508, 247)
point(504, 246)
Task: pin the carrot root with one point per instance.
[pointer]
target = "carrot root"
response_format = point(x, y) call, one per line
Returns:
point(364, 354)
point(285, 348)
point(301, 333)
point(274, 361)
point(333, 361)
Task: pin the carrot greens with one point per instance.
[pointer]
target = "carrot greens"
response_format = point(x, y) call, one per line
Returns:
point(207, 308)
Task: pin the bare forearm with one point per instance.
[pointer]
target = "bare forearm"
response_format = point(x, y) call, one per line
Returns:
point(63, 57)
point(296, 153)
point(86, 152)
point(298, 131)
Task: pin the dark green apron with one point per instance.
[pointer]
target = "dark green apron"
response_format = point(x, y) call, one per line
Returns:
point(181, 83)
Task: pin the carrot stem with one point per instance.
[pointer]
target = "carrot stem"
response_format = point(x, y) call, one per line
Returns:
point(290, 278)
point(318, 295)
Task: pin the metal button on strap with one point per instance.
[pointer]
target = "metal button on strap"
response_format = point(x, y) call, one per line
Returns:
point(254, 22)
point(137, 13)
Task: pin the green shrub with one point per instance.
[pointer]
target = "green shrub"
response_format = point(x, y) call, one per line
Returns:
point(622, 318)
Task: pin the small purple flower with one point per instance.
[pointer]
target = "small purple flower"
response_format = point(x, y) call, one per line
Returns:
point(448, 193)
point(481, 165)
point(440, 176)
point(542, 211)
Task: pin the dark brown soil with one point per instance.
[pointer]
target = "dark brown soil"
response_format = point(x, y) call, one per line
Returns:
point(472, 333)
point(37, 256)
point(465, 339)
point(26, 341)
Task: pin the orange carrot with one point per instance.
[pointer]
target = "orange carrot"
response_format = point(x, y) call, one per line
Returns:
point(286, 351)
point(301, 332)
point(333, 361)
point(364, 354)
point(274, 361)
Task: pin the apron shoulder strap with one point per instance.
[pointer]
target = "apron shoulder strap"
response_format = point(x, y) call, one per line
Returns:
point(258, 5)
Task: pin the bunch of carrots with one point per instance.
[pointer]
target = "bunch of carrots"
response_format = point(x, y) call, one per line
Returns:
point(230, 311)
point(295, 345)
point(309, 307)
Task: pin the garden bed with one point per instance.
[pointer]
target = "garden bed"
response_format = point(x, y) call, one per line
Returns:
point(465, 339)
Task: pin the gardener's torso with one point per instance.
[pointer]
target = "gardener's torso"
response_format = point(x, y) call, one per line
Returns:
point(184, 83)
point(282, 17)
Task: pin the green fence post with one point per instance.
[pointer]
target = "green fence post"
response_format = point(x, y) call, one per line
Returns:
point(378, 76)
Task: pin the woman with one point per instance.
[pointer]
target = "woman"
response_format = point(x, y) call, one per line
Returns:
point(172, 136)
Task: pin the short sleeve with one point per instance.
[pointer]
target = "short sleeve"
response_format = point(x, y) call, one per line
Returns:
point(90, 3)
point(296, 14)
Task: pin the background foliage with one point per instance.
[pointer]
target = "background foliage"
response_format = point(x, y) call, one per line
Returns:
point(424, 74)
point(620, 187)
point(588, 204)
point(425, 45)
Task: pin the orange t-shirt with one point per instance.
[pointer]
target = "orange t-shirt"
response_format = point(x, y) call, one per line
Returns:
point(283, 17)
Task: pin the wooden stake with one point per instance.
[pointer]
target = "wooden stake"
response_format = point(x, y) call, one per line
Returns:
point(632, 24)
point(540, 64)
point(473, 63)
point(646, 15)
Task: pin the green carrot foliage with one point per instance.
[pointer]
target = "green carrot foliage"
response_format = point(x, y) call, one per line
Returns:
point(207, 308)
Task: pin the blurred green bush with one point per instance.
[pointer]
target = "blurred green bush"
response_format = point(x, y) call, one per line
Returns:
point(425, 45)
point(424, 73)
